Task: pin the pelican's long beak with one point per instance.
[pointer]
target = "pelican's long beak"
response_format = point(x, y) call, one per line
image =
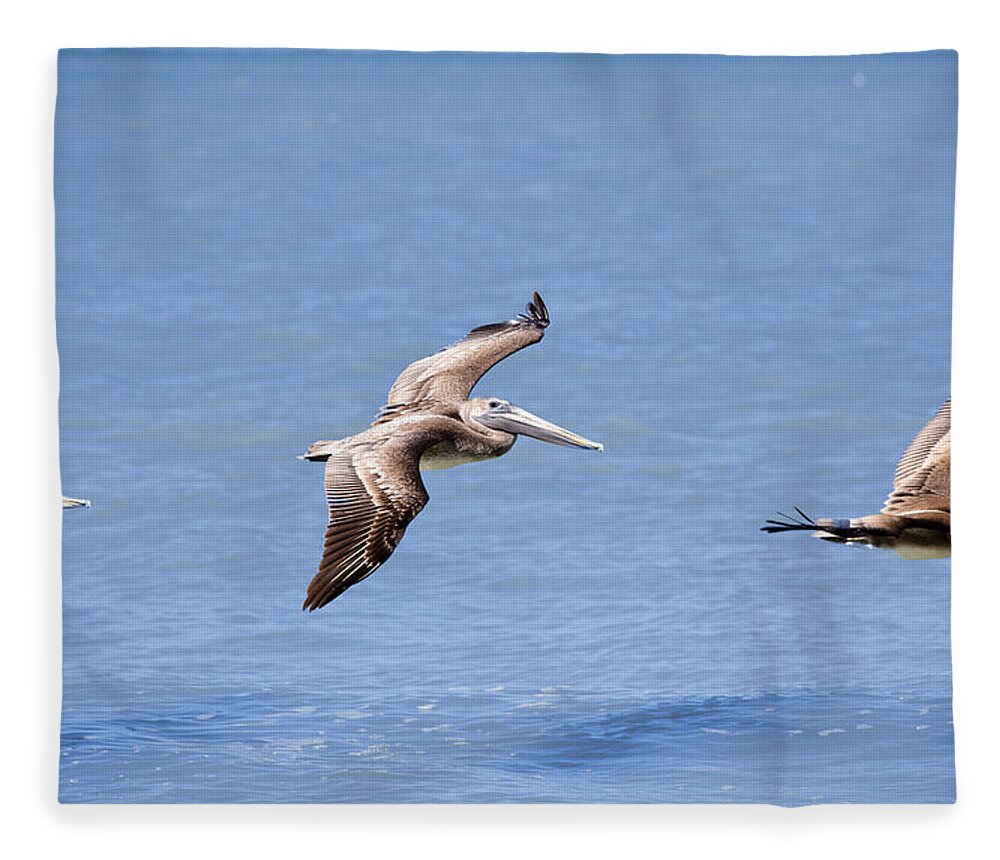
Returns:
point(523, 423)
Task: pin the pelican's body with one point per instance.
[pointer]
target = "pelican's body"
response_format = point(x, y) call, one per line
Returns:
point(447, 455)
point(75, 503)
point(916, 518)
point(373, 483)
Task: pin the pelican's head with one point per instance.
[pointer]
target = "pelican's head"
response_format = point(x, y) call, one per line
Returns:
point(501, 415)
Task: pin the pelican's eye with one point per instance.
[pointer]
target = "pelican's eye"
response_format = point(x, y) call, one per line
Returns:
point(494, 404)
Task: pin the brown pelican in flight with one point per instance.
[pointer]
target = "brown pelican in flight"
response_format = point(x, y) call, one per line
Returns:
point(916, 519)
point(373, 483)
point(75, 503)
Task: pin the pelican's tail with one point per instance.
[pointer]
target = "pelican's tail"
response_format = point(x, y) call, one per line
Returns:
point(318, 452)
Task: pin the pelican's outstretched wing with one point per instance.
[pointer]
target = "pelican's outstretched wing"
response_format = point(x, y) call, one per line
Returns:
point(923, 476)
point(374, 492)
point(75, 503)
point(449, 376)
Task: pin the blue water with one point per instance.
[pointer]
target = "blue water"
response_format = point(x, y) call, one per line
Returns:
point(748, 267)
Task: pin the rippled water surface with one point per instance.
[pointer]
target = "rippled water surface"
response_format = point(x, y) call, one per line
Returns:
point(748, 267)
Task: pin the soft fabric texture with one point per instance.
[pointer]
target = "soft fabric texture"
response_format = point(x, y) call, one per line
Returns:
point(745, 266)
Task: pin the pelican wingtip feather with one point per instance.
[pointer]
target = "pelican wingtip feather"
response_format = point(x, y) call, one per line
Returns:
point(536, 311)
point(789, 523)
